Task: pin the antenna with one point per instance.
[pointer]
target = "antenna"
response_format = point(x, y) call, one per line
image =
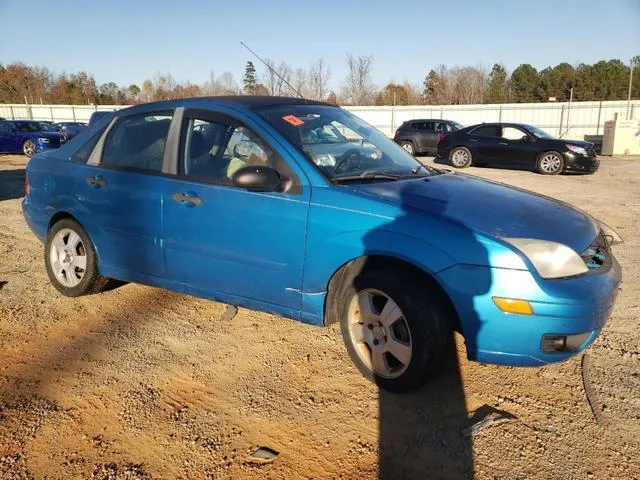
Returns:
point(272, 70)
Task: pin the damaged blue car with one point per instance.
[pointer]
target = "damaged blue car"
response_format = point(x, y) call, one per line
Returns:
point(300, 208)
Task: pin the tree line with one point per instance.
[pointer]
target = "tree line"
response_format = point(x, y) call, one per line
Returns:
point(443, 85)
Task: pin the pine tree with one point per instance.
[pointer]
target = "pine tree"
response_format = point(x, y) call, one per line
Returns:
point(497, 85)
point(250, 79)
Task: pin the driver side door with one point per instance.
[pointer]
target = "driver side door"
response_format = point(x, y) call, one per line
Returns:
point(236, 245)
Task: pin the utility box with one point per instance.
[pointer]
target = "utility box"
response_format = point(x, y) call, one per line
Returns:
point(621, 137)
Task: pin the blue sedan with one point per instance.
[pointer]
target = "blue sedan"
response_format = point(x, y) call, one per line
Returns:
point(27, 137)
point(300, 208)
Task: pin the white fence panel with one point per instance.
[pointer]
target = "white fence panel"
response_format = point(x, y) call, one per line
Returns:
point(570, 121)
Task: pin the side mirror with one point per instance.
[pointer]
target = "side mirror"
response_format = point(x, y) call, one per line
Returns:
point(257, 178)
point(527, 138)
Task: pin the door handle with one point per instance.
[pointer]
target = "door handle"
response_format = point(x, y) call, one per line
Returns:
point(190, 199)
point(503, 143)
point(96, 181)
point(473, 140)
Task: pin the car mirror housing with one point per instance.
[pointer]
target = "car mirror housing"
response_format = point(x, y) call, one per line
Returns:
point(257, 178)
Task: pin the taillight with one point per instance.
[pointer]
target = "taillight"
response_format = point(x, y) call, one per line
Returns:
point(442, 135)
point(26, 184)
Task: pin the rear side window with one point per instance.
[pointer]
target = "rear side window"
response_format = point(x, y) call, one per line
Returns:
point(137, 142)
point(84, 152)
point(487, 131)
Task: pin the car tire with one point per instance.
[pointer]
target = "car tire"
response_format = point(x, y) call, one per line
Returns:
point(460, 157)
point(29, 148)
point(420, 334)
point(408, 147)
point(71, 261)
point(550, 163)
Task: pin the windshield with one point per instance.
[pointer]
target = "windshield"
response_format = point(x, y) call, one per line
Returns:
point(457, 126)
point(342, 145)
point(30, 127)
point(539, 133)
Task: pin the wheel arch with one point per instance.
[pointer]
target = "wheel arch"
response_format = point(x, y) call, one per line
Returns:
point(382, 261)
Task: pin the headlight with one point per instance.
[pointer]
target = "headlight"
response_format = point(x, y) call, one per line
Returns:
point(610, 235)
point(578, 150)
point(325, 160)
point(43, 140)
point(550, 259)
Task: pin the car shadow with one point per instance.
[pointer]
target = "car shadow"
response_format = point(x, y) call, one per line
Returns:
point(420, 432)
point(12, 184)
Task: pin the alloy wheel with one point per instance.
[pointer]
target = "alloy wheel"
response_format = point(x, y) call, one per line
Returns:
point(29, 148)
point(68, 257)
point(460, 158)
point(379, 333)
point(550, 163)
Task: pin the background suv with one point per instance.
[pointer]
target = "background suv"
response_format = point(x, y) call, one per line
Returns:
point(422, 136)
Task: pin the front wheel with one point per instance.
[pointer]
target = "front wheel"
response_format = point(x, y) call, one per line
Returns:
point(29, 148)
point(550, 163)
point(394, 328)
point(460, 157)
point(71, 260)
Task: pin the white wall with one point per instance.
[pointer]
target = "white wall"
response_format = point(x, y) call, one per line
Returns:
point(581, 118)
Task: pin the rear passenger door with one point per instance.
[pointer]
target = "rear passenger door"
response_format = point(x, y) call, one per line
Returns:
point(484, 143)
point(121, 188)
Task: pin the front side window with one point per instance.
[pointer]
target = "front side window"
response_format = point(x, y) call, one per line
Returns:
point(212, 151)
point(487, 131)
point(354, 150)
point(512, 133)
point(137, 142)
point(29, 127)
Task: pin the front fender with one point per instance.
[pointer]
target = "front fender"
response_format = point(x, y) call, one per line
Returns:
point(335, 251)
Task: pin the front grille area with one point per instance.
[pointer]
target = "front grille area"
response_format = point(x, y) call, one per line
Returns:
point(597, 257)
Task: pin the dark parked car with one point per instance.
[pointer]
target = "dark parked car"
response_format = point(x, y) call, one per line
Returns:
point(422, 136)
point(235, 199)
point(517, 145)
point(27, 136)
point(71, 129)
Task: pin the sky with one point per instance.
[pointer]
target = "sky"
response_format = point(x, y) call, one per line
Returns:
point(130, 41)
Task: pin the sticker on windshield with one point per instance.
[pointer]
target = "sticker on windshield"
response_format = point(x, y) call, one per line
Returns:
point(293, 120)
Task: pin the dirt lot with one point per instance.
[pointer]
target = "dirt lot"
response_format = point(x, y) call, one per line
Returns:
point(139, 382)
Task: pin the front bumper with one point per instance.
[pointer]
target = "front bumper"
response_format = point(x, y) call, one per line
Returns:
point(580, 163)
point(577, 305)
point(43, 147)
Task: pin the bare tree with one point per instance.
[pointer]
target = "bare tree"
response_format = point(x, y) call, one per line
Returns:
point(358, 87)
point(300, 83)
point(275, 77)
point(228, 84)
point(318, 77)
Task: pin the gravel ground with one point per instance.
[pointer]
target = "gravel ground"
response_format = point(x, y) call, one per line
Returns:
point(139, 382)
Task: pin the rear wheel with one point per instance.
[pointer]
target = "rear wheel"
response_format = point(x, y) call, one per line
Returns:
point(550, 163)
point(394, 327)
point(71, 260)
point(460, 157)
point(408, 147)
point(28, 148)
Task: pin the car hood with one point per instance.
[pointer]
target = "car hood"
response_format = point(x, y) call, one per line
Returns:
point(489, 207)
point(578, 143)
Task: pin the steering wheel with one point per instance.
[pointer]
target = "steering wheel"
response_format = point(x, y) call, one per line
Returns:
point(344, 159)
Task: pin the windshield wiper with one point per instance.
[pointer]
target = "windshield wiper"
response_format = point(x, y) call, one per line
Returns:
point(368, 176)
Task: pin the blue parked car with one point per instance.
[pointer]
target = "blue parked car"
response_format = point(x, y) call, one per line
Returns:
point(27, 136)
point(235, 199)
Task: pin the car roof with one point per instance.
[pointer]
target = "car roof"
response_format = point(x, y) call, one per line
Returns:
point(248, 101)
point(430, 120)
